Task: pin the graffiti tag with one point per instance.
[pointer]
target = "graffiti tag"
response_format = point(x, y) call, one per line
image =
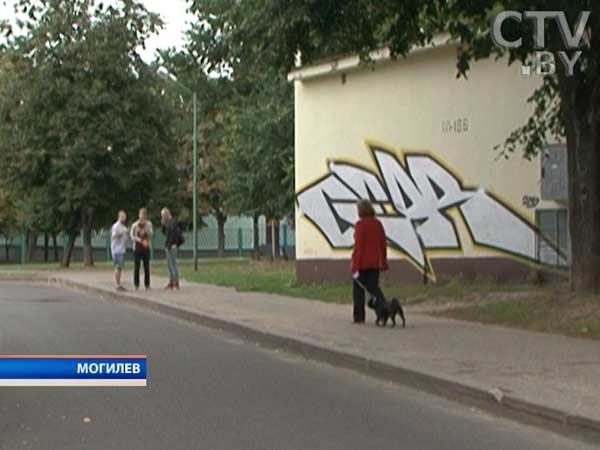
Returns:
point(412, 200)
point(530, 202)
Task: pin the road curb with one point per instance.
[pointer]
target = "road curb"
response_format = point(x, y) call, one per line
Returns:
point(489, 400)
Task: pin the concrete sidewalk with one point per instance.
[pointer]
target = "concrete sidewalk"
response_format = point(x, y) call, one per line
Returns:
point(550, 377)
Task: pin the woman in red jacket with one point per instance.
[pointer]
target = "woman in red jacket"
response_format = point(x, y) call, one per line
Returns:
point(368, 258)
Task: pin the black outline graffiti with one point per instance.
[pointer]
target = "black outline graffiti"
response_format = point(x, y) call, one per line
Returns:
point(427, 267)
point(377, 147)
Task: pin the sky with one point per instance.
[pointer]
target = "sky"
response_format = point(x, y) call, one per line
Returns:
point(173, 13)
point(176, 19)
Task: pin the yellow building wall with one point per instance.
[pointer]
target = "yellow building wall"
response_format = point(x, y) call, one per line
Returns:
point(414, 106)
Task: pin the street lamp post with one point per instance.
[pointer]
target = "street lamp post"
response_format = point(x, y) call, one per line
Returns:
point(195, 188)
point(164, 73)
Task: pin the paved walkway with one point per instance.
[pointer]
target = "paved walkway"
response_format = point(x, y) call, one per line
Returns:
point(548, 371)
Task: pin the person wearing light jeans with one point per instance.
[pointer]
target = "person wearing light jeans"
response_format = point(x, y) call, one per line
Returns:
point(173, 239)
point(119, 235)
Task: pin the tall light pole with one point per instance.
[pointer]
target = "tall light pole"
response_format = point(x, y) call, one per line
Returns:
point(164, 73)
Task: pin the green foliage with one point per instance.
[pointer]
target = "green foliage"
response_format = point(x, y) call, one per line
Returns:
point(214, 95)
point(260, 159)
point(232, 40)
point(85, 126)
point(324, 28)
point(9, 215)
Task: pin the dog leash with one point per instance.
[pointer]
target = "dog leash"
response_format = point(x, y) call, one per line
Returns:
point(363, 287)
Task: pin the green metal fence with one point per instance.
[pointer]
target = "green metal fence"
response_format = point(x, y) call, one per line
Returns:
point(239, 240)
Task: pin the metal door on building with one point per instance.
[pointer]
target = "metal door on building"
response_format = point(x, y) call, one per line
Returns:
point(554, 225)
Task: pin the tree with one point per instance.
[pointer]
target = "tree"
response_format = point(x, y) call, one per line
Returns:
point(214, 95)
point(8, 210)
point(259, 141)
point(87, 129)
point(565, 106)
point(260, 149)
point(212, 175)
point(9, 226)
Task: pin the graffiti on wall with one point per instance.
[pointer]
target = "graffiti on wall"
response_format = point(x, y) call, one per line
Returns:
point(412, 199)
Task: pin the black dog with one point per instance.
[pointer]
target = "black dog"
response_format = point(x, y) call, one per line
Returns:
point(385, 310)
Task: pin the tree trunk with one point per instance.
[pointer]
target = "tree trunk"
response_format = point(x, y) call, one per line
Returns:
point(86, 224)
point(66, 260)
point(55, 245)
point(7, 245)
point(46, 241)
point(277, 228)
point(256, 246)
point(584, 209)
point(32, 236)
point(580, 107)
point(221, 219)
point(273, 238)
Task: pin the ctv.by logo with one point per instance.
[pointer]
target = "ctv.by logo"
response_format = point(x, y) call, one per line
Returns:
point(544, 62)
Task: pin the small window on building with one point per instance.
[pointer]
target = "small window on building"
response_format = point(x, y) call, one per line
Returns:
point(554, 226)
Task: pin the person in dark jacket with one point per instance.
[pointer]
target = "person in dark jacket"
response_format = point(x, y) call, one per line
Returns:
point(369, 257)
point(173, 239)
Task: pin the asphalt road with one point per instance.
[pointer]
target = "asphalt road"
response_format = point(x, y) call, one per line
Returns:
point(210, 391)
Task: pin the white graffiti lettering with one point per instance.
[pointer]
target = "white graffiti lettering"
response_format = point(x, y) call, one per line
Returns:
point(411, 199)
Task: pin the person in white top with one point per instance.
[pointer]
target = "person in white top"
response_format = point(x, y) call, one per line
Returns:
point(119, 235)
